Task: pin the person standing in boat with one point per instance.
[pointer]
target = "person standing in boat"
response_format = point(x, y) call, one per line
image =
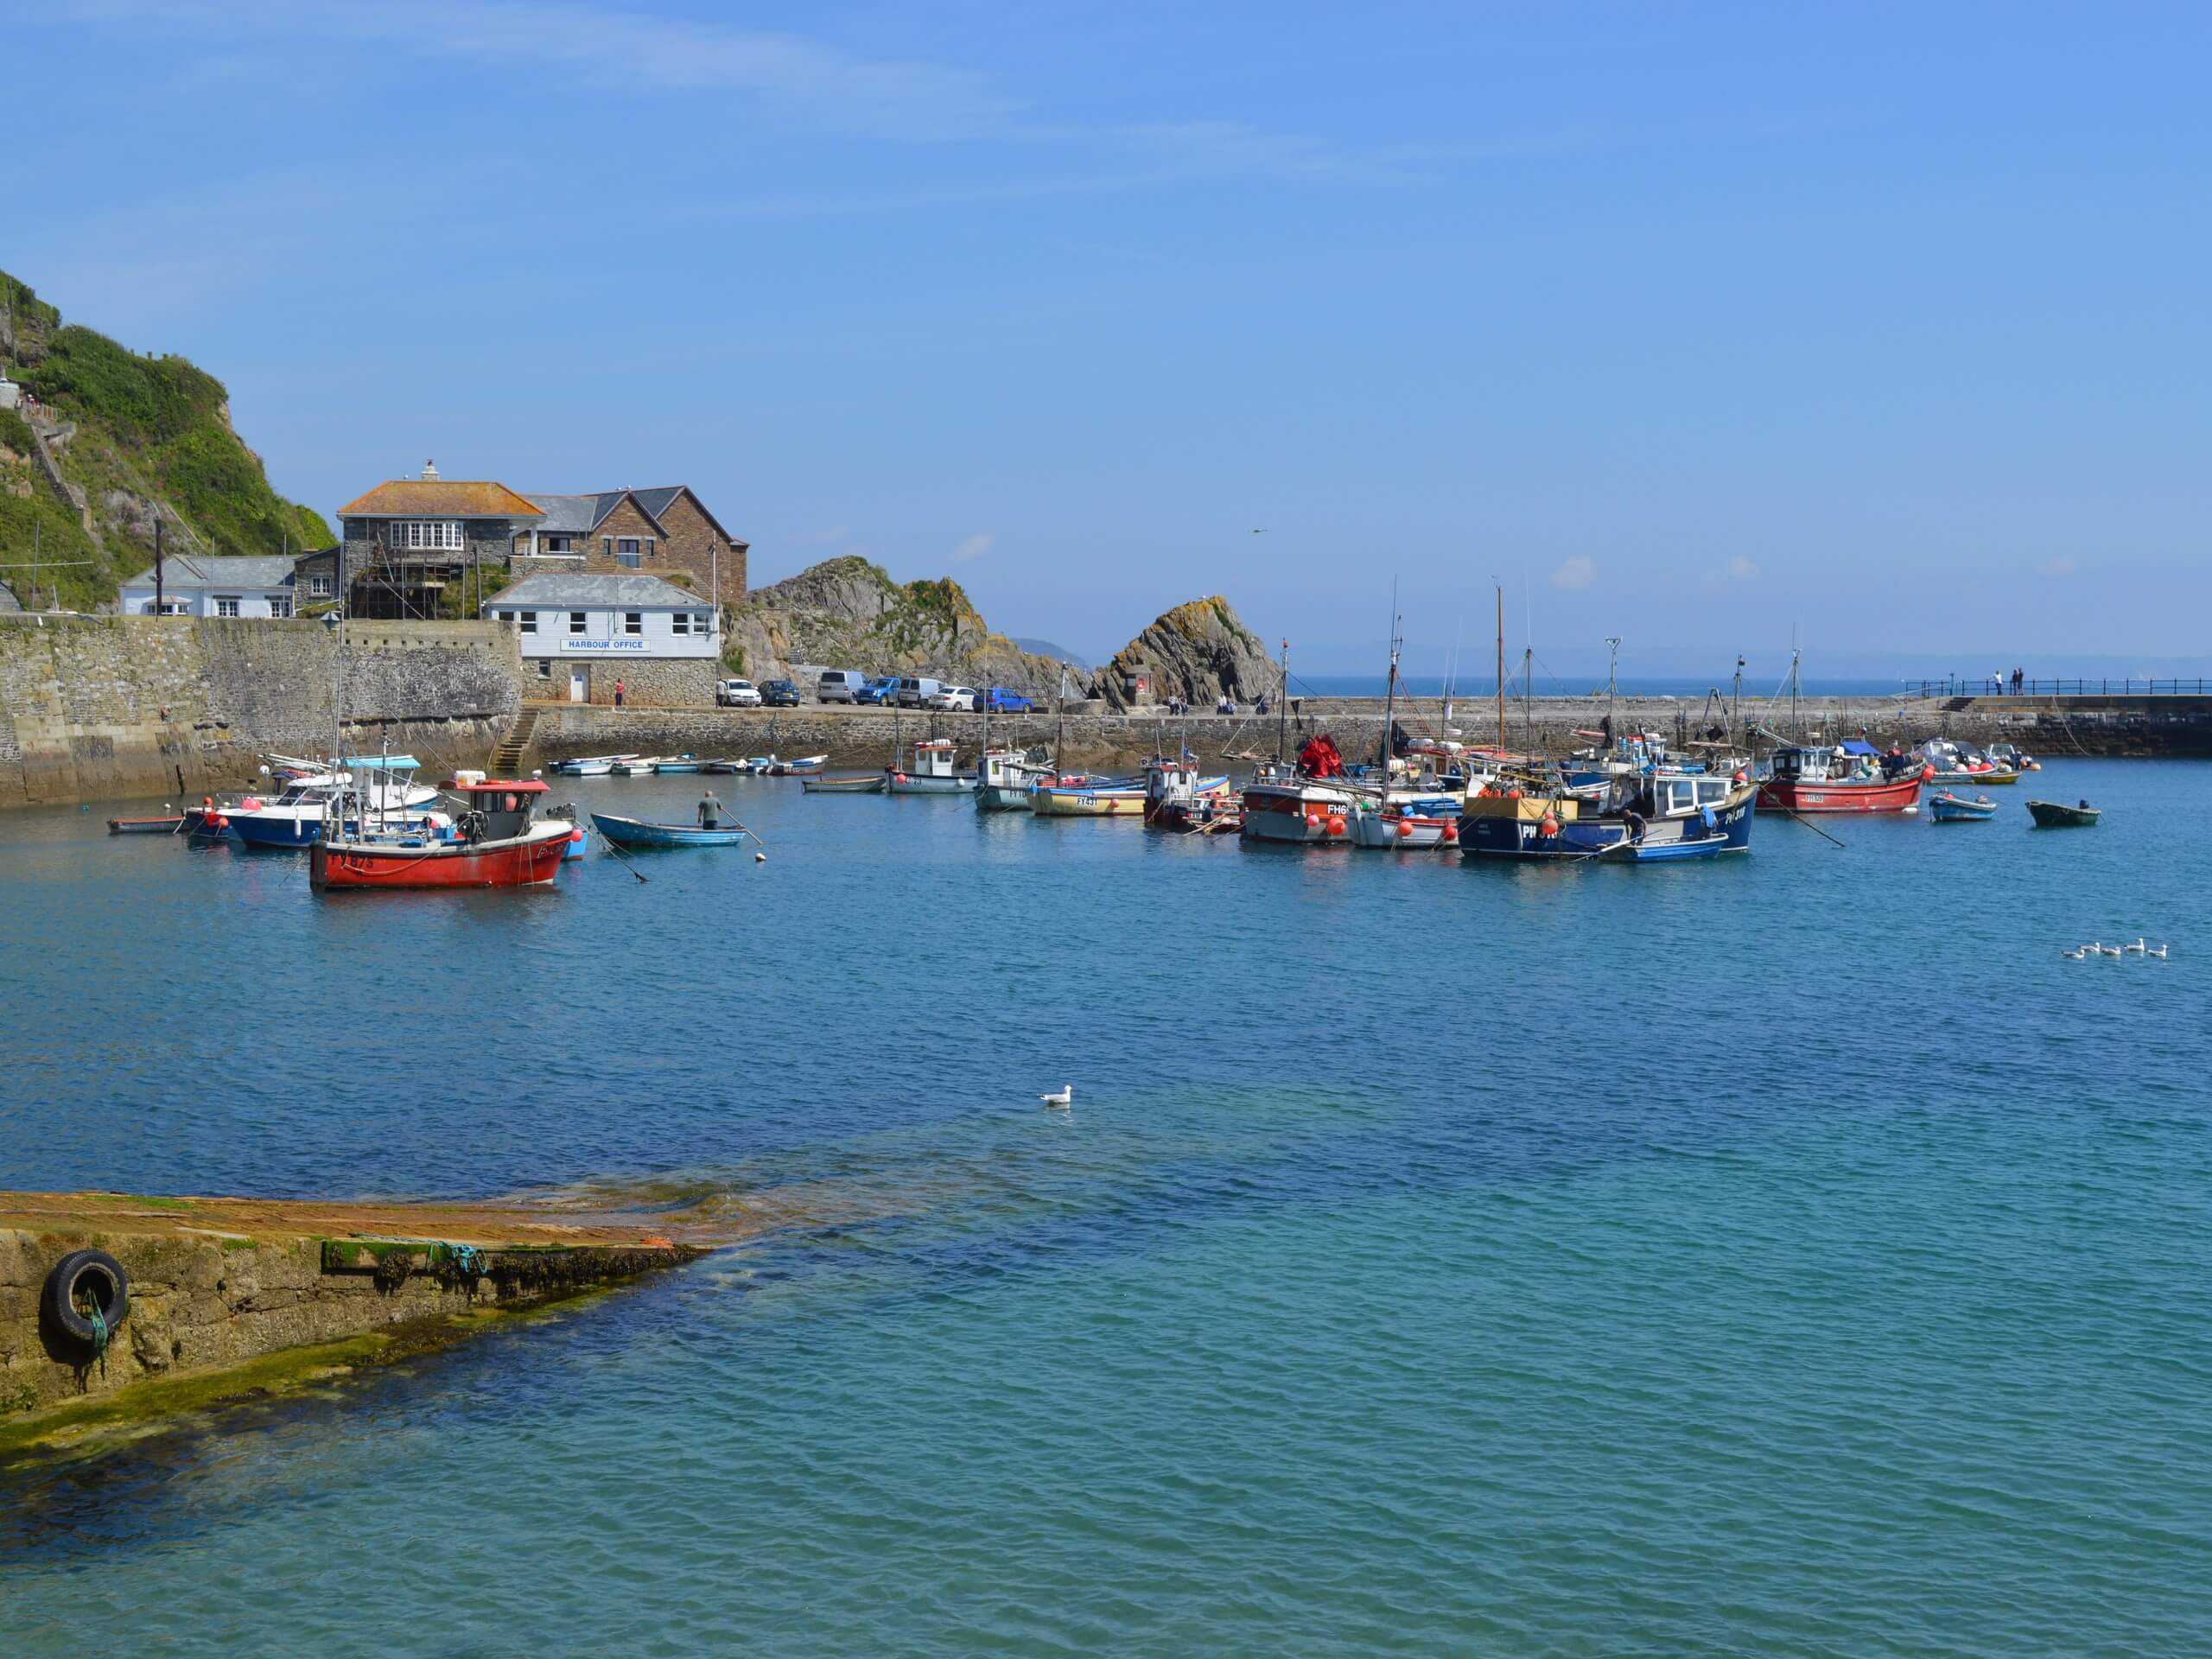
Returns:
point(710, 811)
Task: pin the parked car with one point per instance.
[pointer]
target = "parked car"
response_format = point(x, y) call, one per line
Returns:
point(840, 685)
point(882, 689)
point(1003, 702)
point(915, 691)
point(957, 698)
point(779, 694)
point(737, 694)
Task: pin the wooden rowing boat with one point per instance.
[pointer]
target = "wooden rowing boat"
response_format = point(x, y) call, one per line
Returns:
point(636, 832)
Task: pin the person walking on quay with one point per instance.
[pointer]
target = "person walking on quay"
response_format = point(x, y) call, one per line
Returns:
point(618, 693)
point(710, 811)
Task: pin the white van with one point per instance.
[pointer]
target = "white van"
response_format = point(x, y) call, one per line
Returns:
point(839, 685)
point(915, 693)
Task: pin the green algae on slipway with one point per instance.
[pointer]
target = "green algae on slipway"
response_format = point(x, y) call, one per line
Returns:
point(120, 1310)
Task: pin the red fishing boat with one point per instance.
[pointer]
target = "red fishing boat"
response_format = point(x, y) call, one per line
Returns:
point(1816, 780)
point(497, 844)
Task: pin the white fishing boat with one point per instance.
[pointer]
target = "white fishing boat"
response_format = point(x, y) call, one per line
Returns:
point(635, 767)
point(934, 771)
point(1006, 780)
point(1177, 795)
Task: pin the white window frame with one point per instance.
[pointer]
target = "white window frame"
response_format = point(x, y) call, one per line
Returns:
point(679, 624)
point(233, 601)
point(526, 621)
point(319, 586)
point(280, 604)
point(427, 535)
point(578, 621)
point(558, 545)
point(703, 623)
point(633, 623)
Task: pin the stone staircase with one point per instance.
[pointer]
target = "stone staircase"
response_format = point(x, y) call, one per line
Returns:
point(507, 758)
point(46, 435)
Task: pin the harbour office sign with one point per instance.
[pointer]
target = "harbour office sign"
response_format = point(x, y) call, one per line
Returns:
point(602, 647)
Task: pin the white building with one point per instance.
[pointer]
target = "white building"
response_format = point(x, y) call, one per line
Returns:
point(193, 585)
point(582, 635)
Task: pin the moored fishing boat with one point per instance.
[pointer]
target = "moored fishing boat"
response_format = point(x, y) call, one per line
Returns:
point(1176, 795)
point(1947, 808)
point(934, 771)
point(595, 765)
point(1282, 803)
point(1104, 799)
point(297, 817)
point(1409, 819)
point(2056, 815)
point(800, 768)
point(676, 763)
point(1808, 778)
point(1005, 778)
point(1661, 819)
point(497, 844)
point(635, 765)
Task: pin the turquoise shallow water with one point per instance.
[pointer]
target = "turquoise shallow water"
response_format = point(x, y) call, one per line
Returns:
point(1791, 1257)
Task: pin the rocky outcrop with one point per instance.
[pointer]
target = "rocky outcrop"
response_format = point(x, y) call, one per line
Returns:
point(847, 613)
point(1199, 652)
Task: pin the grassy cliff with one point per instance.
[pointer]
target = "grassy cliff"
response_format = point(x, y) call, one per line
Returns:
point(152, 436)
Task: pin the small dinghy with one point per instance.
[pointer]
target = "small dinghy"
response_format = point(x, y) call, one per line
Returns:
point(1947, 808)
point(635, 832)
point(145, 826)
point(801, 766)
point(2054, 815)
point(867, 784)
point(676, 763)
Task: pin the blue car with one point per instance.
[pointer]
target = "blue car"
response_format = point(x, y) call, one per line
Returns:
point(879, 690)
point(1003, 702)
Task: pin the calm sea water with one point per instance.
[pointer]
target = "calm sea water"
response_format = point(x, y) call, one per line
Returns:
point(1794, 1258)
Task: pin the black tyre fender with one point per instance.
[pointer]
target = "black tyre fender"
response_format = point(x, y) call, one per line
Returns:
point(98, 1273)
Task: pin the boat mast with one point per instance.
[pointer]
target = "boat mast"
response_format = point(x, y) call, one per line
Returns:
point(1736, 705)
point(1501, 672)
point(1612, 683)
point(1282, 706)
point(1389, 698)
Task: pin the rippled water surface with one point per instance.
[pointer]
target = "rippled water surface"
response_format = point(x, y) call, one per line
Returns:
point(1796, 1256)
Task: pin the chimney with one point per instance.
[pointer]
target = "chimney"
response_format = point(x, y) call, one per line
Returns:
point(431, 471)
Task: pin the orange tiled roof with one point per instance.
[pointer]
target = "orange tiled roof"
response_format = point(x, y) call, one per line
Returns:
point(439, 498)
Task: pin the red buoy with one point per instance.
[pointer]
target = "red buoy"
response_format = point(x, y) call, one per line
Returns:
point(1336, 826)
point(1312, 820)
point(1404, 828)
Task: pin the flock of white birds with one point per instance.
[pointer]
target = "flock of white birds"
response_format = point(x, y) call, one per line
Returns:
point(2099, 948)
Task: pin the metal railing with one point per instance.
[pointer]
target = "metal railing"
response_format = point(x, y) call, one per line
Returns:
point(1991, 686)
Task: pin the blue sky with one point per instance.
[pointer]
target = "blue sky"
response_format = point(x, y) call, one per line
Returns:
point(1695, 324)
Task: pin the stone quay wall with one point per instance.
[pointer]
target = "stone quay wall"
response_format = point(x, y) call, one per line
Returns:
point(114, 707)
point(864, 737)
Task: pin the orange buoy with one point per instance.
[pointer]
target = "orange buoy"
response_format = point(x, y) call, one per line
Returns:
point(1451, 832)
point(1404, 828)
point(1336, 826)
point(1549, 826)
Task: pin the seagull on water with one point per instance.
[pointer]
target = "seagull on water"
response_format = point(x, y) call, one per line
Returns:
point(2108, 949)
point(2138, 948)
point(2079, 953)
point(1065, 1097)
point(2158, 950)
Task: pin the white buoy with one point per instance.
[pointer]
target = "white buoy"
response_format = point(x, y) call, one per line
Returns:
point(1065, 1097)
point(760, 858)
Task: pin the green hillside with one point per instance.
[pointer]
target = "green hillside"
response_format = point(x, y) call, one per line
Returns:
point(153, 434)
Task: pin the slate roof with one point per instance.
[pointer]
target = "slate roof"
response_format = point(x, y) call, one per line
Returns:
point(439, 498)
point(182, 571)
point(556, 590)
point(573, 515)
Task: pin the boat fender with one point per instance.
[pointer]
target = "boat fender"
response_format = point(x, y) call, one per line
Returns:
point(1927, 772)
point(1549, 826)
point(1451, 832)
point(1336, 826)
point(1404, 828)
point(97, 1271)
point(1312, 820)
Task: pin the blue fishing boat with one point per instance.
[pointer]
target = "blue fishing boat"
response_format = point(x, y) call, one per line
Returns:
point(1947, 808)
point(635, 832)
point(677, 763)
point(1664, 819)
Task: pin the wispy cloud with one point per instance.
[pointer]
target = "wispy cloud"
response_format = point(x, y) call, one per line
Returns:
point(612, 48)
point(1742, 569)
point(1574, 574)
point(974, 547)
point(2061, 566)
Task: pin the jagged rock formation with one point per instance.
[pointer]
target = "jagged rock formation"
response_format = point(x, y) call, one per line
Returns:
point(847, 613)
point(1199, 652)
point(106, 440)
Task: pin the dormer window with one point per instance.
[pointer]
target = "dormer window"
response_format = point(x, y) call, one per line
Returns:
point(427, 535)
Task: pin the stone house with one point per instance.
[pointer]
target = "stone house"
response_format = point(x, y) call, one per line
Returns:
point(194, 584)
point(582, 634)
point(408, 542)
point(666, 532)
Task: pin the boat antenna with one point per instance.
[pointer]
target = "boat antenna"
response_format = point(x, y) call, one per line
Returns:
point(1391, 692)
point(1736, 705)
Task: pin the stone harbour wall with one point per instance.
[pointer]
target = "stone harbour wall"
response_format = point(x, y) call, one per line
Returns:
point(116, 707)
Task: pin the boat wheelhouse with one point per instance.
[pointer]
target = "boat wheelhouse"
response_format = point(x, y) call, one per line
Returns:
point(1005, 778)
point(1177, 796)
point(1281, 804)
